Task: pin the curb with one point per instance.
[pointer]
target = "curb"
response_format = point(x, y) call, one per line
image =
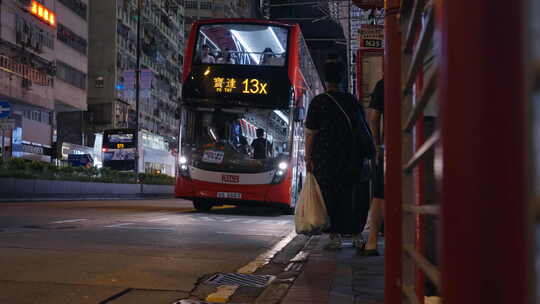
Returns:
point(279, 288)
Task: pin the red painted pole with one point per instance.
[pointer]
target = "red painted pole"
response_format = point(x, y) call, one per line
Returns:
point(485, 246)
point(420, 188)
point(392, 126)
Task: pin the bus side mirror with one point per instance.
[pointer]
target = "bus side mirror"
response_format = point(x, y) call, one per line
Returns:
point(299, 114)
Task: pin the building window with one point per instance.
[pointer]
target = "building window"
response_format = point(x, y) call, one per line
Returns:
point(39, 116)
point(68, 37)
point(190, 4)
point(70, 75)
point(77, 6)
point(206, 5)
point(36, 115)
point(31, 35)
point(45, 118)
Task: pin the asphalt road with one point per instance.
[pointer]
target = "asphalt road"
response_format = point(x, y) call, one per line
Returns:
point(91, 251)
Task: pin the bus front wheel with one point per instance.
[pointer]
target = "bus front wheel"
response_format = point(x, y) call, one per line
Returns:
point(201, 205)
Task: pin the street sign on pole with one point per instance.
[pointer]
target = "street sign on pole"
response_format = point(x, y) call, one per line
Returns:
point(5, 109)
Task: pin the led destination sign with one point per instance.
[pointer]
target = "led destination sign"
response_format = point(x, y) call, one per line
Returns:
point(238, 85)
point(250, 86)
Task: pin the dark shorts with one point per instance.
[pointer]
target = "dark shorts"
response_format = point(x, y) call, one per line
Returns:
point(378, 179)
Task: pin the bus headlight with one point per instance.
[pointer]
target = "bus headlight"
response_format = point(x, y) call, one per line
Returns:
point(281, 172)
point(183, 160)
point(279, 176)
point(184, 170)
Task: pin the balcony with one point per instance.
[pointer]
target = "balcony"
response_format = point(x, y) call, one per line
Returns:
point(25, 71)
point(12, 86)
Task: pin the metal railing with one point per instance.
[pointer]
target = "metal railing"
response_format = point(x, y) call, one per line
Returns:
point(417, 26)
point(25, 71)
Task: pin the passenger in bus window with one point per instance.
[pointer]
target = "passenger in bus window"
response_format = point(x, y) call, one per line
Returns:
point(226, 57)
point(205, 56)
point(262, 148)
point(269, 58)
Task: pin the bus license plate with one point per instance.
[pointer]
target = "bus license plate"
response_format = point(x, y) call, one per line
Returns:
point(234, 195)
point(214, 157)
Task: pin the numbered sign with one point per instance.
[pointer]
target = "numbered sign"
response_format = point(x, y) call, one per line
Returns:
point(213, 157)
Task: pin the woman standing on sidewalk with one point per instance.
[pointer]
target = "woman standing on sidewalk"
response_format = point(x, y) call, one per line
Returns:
point(329, 141)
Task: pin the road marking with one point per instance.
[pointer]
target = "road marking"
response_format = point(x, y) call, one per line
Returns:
point(249, 221)
point(146, 228)
point(159, 219)
point(265, 257)
point(247, 233)
point(231, 220)
point(118, 225)
point(208, 218)
point(69, 221)
point(222, 295)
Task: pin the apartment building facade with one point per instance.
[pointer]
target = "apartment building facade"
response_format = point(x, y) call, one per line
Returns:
point(43, 68)
point(210, 9)
point(112, 61)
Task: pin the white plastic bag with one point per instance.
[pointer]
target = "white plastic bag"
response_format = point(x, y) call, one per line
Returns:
point(310, 215)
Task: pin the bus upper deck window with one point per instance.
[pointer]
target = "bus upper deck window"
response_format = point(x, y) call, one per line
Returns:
point(244, 44)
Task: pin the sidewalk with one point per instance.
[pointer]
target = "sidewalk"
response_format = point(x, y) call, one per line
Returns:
point(338, 276)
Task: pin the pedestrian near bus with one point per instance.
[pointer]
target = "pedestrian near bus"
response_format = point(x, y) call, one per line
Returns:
point(329, 141)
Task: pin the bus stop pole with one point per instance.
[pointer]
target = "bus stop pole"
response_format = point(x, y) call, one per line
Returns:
point(486, 243)
point(393, 182)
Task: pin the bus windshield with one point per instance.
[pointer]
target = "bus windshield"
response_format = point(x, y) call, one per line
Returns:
point(119, 149)
point(119, 140)
point(244, 44)
point(235, 140)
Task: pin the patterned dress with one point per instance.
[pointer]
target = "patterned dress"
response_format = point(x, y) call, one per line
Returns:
point(347, 201)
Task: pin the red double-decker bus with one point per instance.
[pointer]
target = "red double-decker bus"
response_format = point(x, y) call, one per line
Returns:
point(247, 85)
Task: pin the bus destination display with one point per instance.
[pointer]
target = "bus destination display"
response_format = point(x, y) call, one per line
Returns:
point(250, 86)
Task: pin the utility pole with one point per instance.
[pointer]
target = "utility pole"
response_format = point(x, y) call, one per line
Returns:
point(349, 50)
point(137, 92)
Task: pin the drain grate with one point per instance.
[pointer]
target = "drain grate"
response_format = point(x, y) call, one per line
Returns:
point(238, 279)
